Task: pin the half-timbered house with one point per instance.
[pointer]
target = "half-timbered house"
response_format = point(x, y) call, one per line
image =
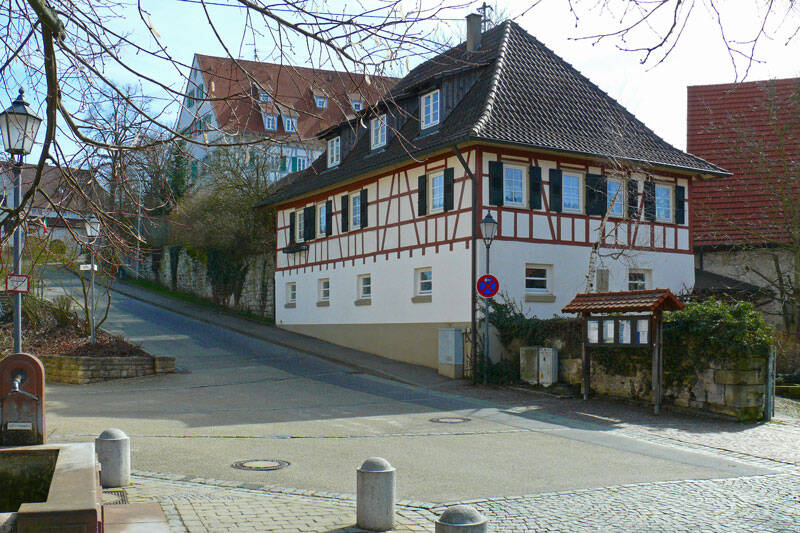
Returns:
point(378, 241)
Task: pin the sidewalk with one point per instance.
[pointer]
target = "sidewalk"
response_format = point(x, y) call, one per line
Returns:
point(368, 363)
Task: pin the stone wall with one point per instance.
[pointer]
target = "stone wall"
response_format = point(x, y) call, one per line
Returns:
point(736, 392)
point(258, 293)
point(80, 370)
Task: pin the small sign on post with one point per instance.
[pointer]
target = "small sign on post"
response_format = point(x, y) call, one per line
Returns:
point(89, 267)
point(488, 286)
point(17, 283)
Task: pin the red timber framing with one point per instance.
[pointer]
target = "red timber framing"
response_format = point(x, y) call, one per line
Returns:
point(435, 232)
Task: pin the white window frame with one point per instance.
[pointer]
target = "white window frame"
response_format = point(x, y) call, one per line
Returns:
point(321, 220)
point(418, 273)
point(548, 279)
point(263, 96)
point(620, 198)
point(523, 185)
point(334, 151)
point(671, 192)
point(580, 178)
point(302, 163)
point(321, 101)
point(353, 199)
point(362, 295)
point(291, 292)
point(432, 194)
point(357, 105)
point(270, 121)
point(323, 293)
point(377, 132)
point(648, 277)
point(299, 224)
point(290, 124)
point(430, 108)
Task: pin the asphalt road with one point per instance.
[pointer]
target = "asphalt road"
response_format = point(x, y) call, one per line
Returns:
point(237, 398)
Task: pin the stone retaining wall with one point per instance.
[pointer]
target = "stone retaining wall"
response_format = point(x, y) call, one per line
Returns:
point(80, 370)
point(258, 293)
point(737, 392)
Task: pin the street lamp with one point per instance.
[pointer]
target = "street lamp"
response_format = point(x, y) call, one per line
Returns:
point(489, 231)
point(18, 126)
point(92, 232)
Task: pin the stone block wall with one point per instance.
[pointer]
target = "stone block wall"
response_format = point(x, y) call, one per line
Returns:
point(81, 370)
point(736, 392)
point(258, 293)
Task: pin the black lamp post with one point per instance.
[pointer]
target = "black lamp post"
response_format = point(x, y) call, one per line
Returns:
point(488, 230)
point(18, 125)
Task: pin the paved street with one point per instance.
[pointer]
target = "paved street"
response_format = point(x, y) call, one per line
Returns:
point(238, 398)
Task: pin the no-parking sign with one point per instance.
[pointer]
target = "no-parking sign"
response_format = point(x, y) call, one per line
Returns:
point(488, 286)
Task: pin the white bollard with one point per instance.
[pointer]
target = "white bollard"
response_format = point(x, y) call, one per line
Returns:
point(113, 449)
point(461, 519)
point(375, 495)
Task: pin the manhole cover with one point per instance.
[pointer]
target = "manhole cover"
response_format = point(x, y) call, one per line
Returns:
point(450, 420)
point(261, 464)
point(115, 497)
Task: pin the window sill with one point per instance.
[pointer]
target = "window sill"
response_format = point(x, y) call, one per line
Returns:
point(324, 303)
point(540, 298)
point(290, 305)
point(363, 301)
point(422, 299)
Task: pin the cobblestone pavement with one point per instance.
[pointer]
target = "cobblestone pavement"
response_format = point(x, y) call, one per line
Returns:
point(760, 503)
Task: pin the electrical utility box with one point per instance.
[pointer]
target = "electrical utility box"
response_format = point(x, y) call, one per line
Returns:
point(451, 352)
point(529, 364)
point(548, 366)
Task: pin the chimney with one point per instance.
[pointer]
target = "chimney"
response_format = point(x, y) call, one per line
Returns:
point(474, 22)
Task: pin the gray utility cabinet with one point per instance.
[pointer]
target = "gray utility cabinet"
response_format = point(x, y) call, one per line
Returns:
point(538, 365)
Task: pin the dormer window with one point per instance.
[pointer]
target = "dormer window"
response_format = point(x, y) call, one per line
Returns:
point(322, 102)
point(377, 131)
point(290, 124)
point(270, 122)
point(263, 96)
point(430, 109)
point(334, 151)
point(358, 105)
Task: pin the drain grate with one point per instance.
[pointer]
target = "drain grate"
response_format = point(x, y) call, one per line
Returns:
point(116, 497)
point(450, 420)
point(261, 464)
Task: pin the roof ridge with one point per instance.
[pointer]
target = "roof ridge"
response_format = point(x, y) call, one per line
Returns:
point(498, 67)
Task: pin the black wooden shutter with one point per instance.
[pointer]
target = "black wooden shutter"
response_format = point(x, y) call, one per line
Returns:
point(596, 195)
point(535, 187)
point(449, 178)
point(633, 199)
point(495, 183)
point(345, 212)
point(329, 217)
point(364, 209)
point(649, 201)
point(422, 195)
point(555, 189)
point(292, 228)
point(309, 228)
point(680, 206)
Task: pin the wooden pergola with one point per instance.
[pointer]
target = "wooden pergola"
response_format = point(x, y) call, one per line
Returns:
point(607, 321)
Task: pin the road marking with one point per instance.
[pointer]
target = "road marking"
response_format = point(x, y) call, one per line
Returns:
point(148, 338)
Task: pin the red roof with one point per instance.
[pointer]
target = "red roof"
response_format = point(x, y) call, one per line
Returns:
point(623, 302)
point(55, 185)
point(752, 130)
point(292, 90)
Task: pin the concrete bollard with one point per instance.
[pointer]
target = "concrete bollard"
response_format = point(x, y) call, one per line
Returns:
point(461, 519)
point(375, 495)
point(113, 449)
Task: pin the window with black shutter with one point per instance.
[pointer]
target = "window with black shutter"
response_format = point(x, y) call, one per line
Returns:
point(649, 201)
point(292, 228)
point(555, 189)
point(449, 178)
point(495, 183)
point(345, 213)
point(422, 195)
point(364, 209)
point(308, 223)
point(680, 207)
point(596, 202)
point(633, 199)
point(329, 217)
point(535, 187)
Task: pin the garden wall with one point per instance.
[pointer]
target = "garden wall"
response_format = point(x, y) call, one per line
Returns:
point(81, 370)
point(257, 293)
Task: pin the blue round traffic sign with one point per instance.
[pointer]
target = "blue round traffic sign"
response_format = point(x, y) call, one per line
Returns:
point(488, 286)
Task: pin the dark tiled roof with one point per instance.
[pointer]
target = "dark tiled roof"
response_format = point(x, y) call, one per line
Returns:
point(524, 95)
point(621, 302)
